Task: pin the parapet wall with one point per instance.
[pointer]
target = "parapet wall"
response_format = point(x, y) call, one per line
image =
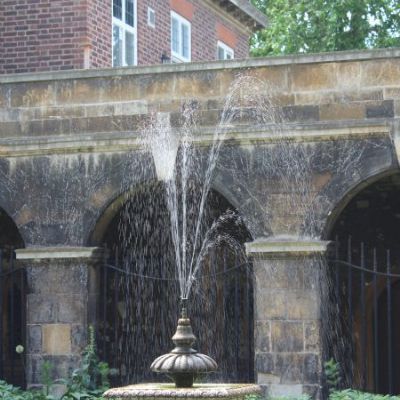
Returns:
point(341, 89)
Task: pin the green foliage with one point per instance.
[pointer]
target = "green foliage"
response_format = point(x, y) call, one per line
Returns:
point(302, 397)
point(10, 392)
point(259, 397)
point(253, 397)
point(88, 382)
point(46, 377)
point(332, 374)
point(350, 394)
point(307, 26)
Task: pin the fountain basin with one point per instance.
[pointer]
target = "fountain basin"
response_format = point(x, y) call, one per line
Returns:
point(164, 391)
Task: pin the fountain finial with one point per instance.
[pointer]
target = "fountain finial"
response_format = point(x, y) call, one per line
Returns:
point(184, 363)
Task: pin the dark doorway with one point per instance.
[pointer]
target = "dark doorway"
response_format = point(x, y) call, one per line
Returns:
point(12, 305)
point(138, 297)
point(389, 361)
point(364, 290)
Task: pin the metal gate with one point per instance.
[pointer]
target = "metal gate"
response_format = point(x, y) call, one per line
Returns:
point(364, 306)
point(13, 319)
point(222, 317)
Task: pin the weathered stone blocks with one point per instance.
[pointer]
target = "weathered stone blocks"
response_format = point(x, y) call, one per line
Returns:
point(56, 339)
point(57, 306)
point(288, 346)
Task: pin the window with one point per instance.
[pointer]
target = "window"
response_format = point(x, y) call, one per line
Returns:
point(124, 33)
point(180, 38)
point(151, 17)
point(224, 52)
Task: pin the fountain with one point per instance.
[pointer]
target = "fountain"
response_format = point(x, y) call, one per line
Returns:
point(174, 154)
point(183, 363)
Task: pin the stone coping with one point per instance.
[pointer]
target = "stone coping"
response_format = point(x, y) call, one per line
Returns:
point(356, 55)
point(286, 246)
point(198, 391)
point(51, 253)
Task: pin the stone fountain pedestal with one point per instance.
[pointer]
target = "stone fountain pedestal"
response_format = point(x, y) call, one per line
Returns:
point(168, 391)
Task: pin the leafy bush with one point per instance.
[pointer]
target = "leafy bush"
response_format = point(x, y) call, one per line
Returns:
point(260, 397)
point(351, 394)
point(88, 382)
point(332, 374)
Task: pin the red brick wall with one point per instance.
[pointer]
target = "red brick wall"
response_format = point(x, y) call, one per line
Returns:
point(153, 42)
point(100, 33)
point(206, 27)
point(42, 35)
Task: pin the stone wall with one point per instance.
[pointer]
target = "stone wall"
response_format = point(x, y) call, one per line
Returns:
point(69, 148)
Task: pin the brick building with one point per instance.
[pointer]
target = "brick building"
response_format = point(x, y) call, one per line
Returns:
point(43, 35)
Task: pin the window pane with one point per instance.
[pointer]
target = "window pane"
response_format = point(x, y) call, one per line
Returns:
point(117, 46)
point(185, 41)
point(221, 53)
point(129, 13)
point(117, 9)
point(228, 55)
point(129, 48)
point(175, 35)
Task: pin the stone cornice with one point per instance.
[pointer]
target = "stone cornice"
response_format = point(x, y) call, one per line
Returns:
point(285, 247)
point(117, 142)
point(58, 253)
point(240, 11)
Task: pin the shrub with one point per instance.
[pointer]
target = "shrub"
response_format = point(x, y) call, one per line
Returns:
point(351, 394)
point(88, 382)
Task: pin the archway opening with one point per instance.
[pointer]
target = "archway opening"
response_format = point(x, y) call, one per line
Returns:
point(13, 291)
point(138, 291)
point(364, 290)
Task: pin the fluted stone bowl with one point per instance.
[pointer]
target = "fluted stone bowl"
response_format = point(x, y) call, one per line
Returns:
point(191, 363)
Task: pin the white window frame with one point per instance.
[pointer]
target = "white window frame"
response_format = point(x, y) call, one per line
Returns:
point(177, 57)
point(125, 28)
point(226, 49)
point(149, 12)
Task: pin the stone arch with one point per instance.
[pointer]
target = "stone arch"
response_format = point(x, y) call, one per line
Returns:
point(364, 228)
point(108, 280)
point(111, 206)
point(117, 198)
point(348, 193)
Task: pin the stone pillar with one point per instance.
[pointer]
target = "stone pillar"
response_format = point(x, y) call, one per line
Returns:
point(287, 293)
point(57, 306)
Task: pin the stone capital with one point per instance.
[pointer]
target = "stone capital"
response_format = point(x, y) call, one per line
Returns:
point(285, 246)
point(40, 254)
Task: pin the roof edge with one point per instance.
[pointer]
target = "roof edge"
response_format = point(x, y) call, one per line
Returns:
point(253, 18)
point(252, 12)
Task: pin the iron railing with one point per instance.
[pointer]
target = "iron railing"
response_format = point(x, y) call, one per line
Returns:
point(364, 316)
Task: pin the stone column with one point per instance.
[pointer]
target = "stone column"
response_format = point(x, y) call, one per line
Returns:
point(287, 292)
point(57, 306)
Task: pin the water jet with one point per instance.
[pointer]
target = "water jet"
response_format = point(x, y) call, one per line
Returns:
point(177, 163)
